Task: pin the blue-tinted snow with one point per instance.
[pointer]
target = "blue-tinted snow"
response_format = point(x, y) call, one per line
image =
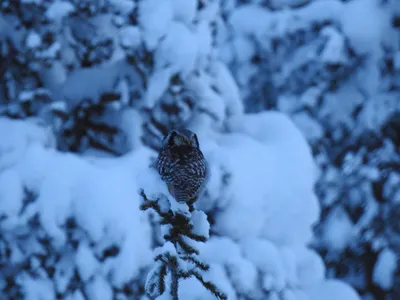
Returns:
point(266, 208)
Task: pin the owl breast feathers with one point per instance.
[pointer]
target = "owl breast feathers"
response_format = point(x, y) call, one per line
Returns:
point(182, 167)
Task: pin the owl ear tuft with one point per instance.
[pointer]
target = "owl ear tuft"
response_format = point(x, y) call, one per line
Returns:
point(196, 141)
point(169, 139)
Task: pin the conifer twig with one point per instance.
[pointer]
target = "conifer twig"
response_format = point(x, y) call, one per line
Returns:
point(170, 262)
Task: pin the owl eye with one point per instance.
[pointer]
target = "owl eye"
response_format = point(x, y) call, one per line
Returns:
point(180, 138)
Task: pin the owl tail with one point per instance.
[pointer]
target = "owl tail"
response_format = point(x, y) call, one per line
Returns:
point(179, 195)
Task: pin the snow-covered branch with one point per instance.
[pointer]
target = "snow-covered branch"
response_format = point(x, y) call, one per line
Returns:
point(177, 258)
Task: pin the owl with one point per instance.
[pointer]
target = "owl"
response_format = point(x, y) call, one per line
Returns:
point(182, 166)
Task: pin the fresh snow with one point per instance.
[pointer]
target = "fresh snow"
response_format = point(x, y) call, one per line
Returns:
point(59, 9)
point(362, 33)
point(177, 49)
point(200, 223)
point(385, 268)
point(332, 290)
point(260, 205)
point(184, 10)
point(33, 40)
point(130, 37)
point(338, 230)
point(265, 225)
point(103, 200)
point(155, 18)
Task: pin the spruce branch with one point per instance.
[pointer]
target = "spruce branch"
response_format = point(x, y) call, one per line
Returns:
point(186, 248)
point(199, 264)
point(163, 274)
point(178, 256)
point(207, 284)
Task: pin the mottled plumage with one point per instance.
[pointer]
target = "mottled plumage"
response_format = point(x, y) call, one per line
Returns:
point(181, 165)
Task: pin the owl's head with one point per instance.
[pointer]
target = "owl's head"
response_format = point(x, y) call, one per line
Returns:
point(181, 137)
